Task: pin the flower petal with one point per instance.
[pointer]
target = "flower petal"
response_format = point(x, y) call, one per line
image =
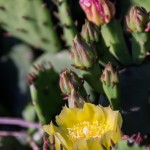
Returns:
point(114, 118)
point(109, 136)
point(60, 135)
point(67, 117)
point(88, 144)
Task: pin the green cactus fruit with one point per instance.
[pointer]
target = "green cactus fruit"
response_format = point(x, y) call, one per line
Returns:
point(138, 23)
point(140, 46)
point(45, 92)
point(110, 81)
point(66, 21)
point(32, 24)
point(114, 39)
point(137, 19)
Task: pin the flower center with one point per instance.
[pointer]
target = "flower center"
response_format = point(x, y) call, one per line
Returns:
point(87, 130)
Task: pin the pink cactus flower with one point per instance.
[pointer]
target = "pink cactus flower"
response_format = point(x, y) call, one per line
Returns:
point(98, 11)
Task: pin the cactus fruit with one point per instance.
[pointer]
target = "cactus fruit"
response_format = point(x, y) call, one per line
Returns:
point(110, 80)
point(45, 92)
point(32, 24)
point(137, 22)
point(140, 46)
point(138, 19)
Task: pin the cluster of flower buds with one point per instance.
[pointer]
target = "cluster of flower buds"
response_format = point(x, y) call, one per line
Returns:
point(98, 11)
point(72, 88)
point(138, 19)
point(83, 54)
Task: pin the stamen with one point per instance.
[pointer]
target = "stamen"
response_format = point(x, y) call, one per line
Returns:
point(87, 129)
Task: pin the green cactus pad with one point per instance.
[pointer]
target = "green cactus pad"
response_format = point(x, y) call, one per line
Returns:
point(128, 145)
point(66, 21)
point(29, 21)
point(45, 92)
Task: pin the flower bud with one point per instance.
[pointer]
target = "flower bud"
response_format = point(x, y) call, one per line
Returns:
point(83, 55)
point(98, 11)
point(111, 86)
point(69, 80)
point(110, 76)
point(90, 32)
point(138, 19)
point(75, 100)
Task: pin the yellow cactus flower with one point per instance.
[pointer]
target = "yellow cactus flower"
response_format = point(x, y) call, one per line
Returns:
point(89, 128)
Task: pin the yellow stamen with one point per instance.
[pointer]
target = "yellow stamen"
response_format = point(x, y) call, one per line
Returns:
point(87, 129)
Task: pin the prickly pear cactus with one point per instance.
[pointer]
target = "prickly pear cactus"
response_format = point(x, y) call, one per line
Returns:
point(45, 92)
point(29, 21)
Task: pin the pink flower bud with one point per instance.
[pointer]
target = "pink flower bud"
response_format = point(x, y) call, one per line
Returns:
point(98, 11)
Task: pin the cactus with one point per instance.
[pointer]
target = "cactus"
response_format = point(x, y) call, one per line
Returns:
point(114, 39)
point(85, 59)
point(140, 46)
point(90, 33)
point(138, 22)
point(32, 24)
point(102, 44)
point(66, 22)
point(110, 80)
point(45, 92)
point(128, 145)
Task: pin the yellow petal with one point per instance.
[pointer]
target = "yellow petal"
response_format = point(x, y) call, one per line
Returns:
point(99, 114)
point(114, 118)
point(109, 136)
point(67, 117)
point(88, 144)
point(60, 135)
